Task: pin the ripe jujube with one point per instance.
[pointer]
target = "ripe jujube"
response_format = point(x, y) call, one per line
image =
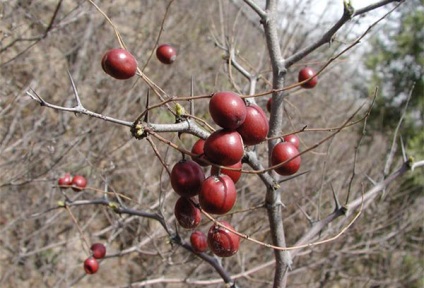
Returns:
point(98, 250)
point(198, 150)
point(187, 177)
point(65, 181)
point(187, 215)
point(119, 63)
point(227, 110)
point(218, 194)
point(166, 53)
point(221, 241)
point(282, 152)
point(234, 174)
point(79, 183)
point(292, 138)
point(305, 74)
point(91, 265)
point(199, 241)
point(224, 147)
point(255, 127)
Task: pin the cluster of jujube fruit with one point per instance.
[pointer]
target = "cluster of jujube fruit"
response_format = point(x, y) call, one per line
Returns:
point(77, 182)
point(91, 265)
point(121, 64)
point(241, 124)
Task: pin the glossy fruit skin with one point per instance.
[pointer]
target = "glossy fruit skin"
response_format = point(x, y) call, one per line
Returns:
point(282, 152)
point(79, 183)
point(234, 175)
point(186, 178)
point(199, 241)
point(166, 53)
point(255, 127)
point(198, 149)
point(218, 194)
point(98, 250)
point(187, 215)
point(91, 265)
point(65, 181)
point(227, 110)
point(292, 138)
point(221, 241)
point(224, 147)
point(119, 63)
point(305, 74)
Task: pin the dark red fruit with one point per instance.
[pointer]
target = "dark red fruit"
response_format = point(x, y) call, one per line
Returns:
point(221, 241)
point(218, 194)
point(227, 110)
point(166, 54)
point(234, 174)
point(255, 127)
point(91, 265)
point(98, 250)
point(199, 241)
point(65, 181)
point(186, 178)
point(198, 150)
point(305, 74)
point(292, 138)
point(187, 214)
point(119, 63)
point(79, 183)
point(224, 147)
point(282, 152)
point(268, 105)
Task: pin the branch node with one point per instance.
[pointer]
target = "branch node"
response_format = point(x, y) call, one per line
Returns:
point(138, 131)
point(348, 9)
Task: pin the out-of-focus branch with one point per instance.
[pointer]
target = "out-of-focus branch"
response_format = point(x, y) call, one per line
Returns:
point(348, 14)
point(350, 207)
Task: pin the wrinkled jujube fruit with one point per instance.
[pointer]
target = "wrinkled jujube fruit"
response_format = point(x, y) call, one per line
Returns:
point(292, 138)
point(187, 215)
point(198, 149)
point(227, 110)
point(79, 183)
point(119, 63)
point(91, 265)
point(65, 181)
point(98, 250)
point(305, 74)
point(166, 53)
point(255, 127)
point(199, 241)
point(234, 174)
point(224, 147)
point(186, 178)
point(221, 241)
point(218, 194)
point(281, 153)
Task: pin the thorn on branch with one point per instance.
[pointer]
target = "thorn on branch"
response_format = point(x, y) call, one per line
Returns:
point(336, 199)
point(310, 220)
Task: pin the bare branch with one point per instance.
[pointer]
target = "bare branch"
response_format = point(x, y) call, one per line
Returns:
point(328, 36)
